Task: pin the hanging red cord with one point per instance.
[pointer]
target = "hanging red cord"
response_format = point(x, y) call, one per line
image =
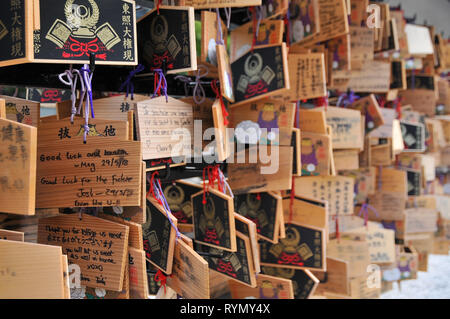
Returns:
point(216, 90)
point(161, 278)
point(258, 196)
point(288, 31)
point(157, 6)
point(398, 108)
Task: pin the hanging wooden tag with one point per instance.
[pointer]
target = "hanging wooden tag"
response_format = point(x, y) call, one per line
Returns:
point(225, 75)
point(304, 283)
point(360, 290)
point(333, 21)
point(421, 100)
point(313, 121)
point(369, 107)
point(159, 237)
point(64, 130)
point(17, 167)
point(405, 266)
point(306, 211)
point(168, 35)
point(262, 211)
point(339, 56)
point(248, 228)
point(346, 127)
point(135, 230)
point(296, 150)
point(413, 136)
point(11, 235)
point(355, 252)
point(101, 293)
point(346, 159)
point(365, 183)
point(267, 287)
point(358, 12)
point(307, 76)
point(241, 38)
point(374, 77)
point(420, 220)
point(381, 243)
point(419, 40)
point(272, 121)
point(136, 214)
point(178, 195)
point(137, 273)
point(116, 108)
point(158, 121)
point(274, 174)
point(236, 265)
point(304, 20)
point(315, 154)
point(21, 110)
point(338, 190)
point(265, 73)
point(362, 45)
point(25, 276)
point(414, 180)
point(190, 278)
point(273, 9)
point(303, 248)
point(398, 74)
point(336, 279)
point(209, 36)
point(221, 132)
point(94, 175)
point(214, 221)
point(108, 30)
point(98, 246)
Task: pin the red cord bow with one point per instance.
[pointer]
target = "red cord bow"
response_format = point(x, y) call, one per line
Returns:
point(161, 278)
point(216, 90)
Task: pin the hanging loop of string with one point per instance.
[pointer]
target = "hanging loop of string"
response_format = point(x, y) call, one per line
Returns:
point(216, 90)
point(87, 79)
point(128, 83)
point(198, 93)
point(346, 99)
point(365, 211)
point(160, 83)
point(158, 194)
point(72, 76)
point(228, 16)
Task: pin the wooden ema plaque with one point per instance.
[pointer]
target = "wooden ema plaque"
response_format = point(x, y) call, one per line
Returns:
point(210, 37)
point(248, 228)
point(221, 132)
point(237, 266)
point(369, 107)
point(337, 190)
point(11, 235)
point(339, 57)
point(304, 283)
point(336, 279)
point(306, 211)
point(63, 34)
point(272, 119)
point(315, 154)
point(241, 38)
point(421, 100)
point(214, 223)
point(178, 195)
point(364, 182)
point(94, 175)
point(313, 121)
point(168, 35)
point(261, 208)
point(17, 167)
point(225, 75)
point(64, 130)
point(158, 121)
point(30, 271)
point(190, 278)
point(116, 108)
point(303, 248)
point(304, 20)
point(333, 21)
point(413, 136)
point(22, 111)
point(362, 45)
point(261, 177)
point(267, 287)
point(98, 246)
point(159, 237)
point(137, 274)
point(307, 76)
point(265, 73)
